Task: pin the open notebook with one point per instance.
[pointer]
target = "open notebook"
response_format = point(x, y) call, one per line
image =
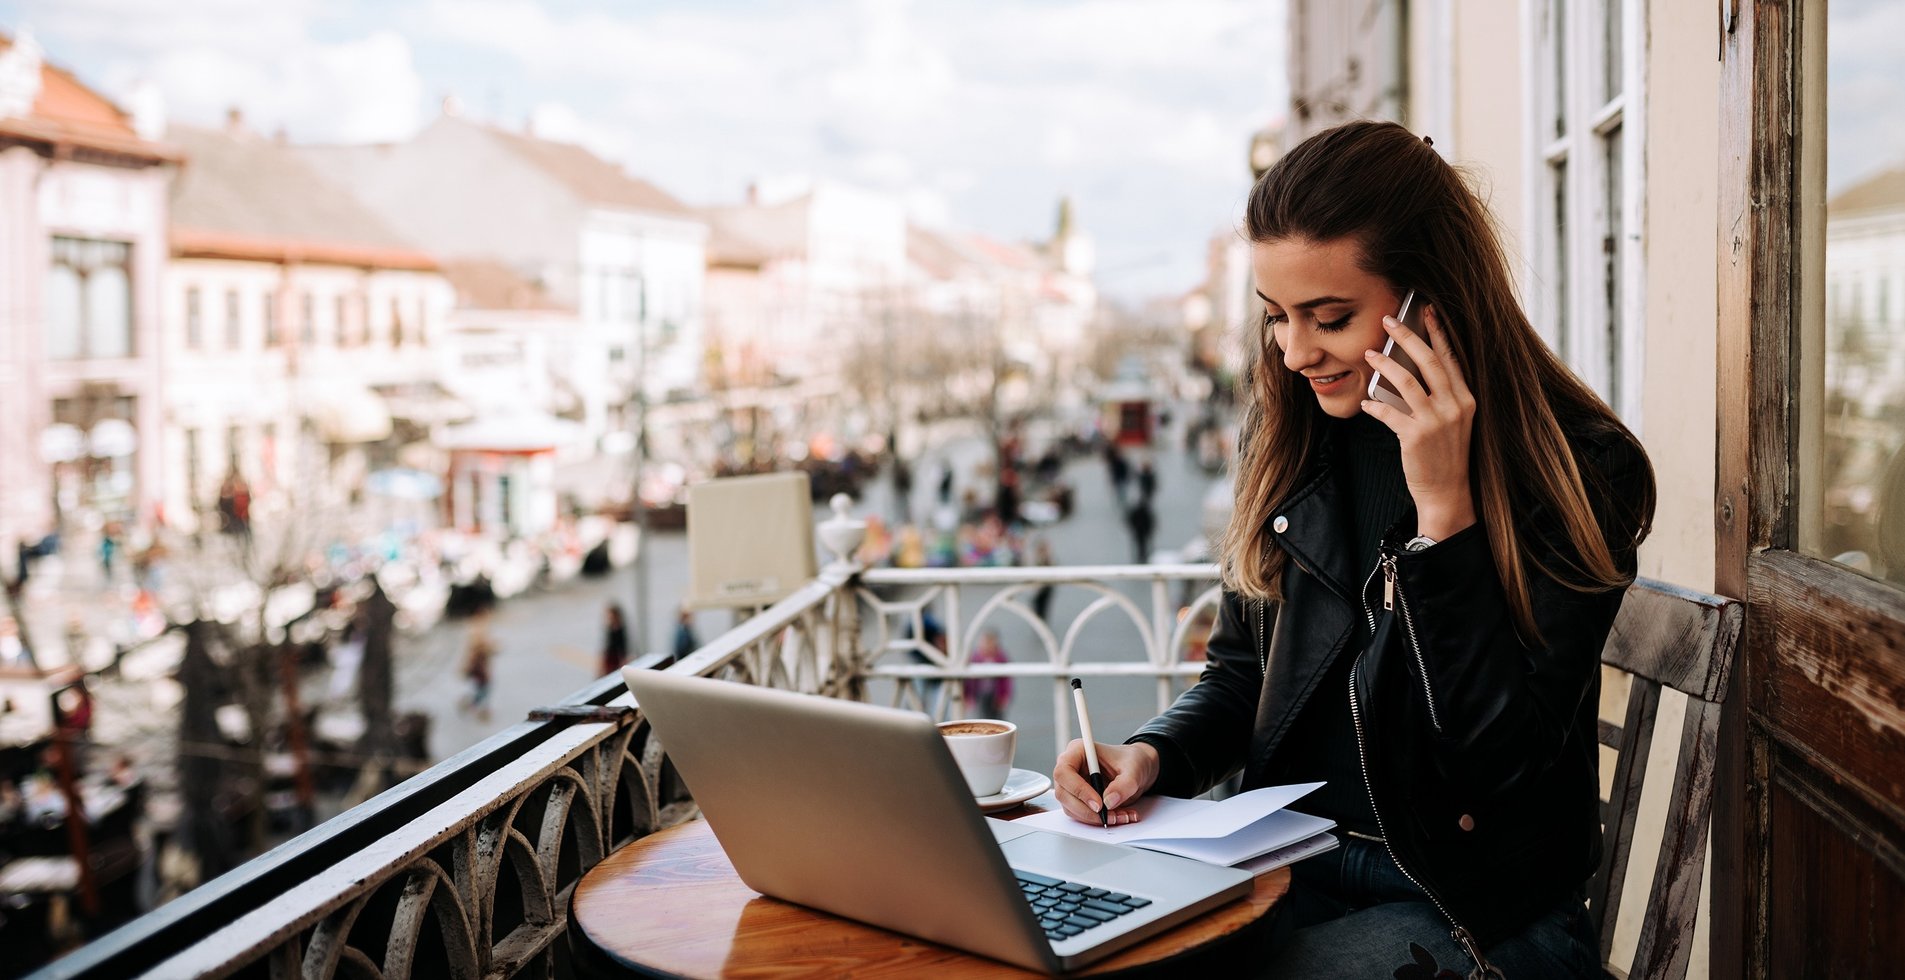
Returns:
point(1250, 829)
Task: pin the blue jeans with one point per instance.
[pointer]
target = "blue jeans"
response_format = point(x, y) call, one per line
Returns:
point(1353, 913)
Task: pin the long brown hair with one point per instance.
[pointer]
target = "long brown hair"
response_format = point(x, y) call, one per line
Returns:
point(1421, 227)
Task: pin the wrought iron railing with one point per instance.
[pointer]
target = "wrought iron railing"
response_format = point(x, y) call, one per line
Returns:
point(466, 869)
point(1159, 632)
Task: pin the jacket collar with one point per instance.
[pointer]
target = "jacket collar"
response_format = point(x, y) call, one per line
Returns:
point(1312, 526)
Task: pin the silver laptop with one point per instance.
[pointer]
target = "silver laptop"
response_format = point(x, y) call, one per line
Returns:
point(860, 811)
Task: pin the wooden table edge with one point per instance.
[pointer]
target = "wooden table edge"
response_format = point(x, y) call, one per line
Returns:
point(706, 894)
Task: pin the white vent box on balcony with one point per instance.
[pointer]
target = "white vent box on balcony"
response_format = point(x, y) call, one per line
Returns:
point(750, 540)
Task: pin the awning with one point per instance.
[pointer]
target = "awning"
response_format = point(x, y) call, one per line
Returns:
point(345, 412)
point(423, 402)
point(520, 432)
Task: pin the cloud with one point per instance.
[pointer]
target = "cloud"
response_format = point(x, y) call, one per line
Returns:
point(980, 114)
point(260, 58)
point(358, 91)
point(1864, 90)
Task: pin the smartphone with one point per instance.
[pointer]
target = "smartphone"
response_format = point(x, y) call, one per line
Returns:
point(1381, 388)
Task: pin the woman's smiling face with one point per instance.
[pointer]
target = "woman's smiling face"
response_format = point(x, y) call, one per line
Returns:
point(1324, 311)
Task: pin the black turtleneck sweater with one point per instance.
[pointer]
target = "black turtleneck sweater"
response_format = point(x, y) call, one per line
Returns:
point(1321, 743)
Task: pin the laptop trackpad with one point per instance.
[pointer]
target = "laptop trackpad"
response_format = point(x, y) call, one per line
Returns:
point(1058, 854)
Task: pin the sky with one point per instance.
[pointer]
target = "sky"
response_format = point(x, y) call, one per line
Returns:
point(980, 114)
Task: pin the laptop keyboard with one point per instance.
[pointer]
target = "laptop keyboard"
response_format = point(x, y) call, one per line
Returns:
point(1067, 908)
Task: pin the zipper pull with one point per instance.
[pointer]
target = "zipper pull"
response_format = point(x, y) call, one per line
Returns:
point(1484, 970)
point(1388, 582)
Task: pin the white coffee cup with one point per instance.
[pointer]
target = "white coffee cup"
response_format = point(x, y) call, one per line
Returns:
point(983, 748)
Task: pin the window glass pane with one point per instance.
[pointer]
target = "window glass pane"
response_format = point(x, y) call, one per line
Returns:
point(1611, 260)
point(234, 323)
point(1558, 54)
point(1558, 273)
point(62, 312)
point(1854, 480)
point(108, 312)
point(194, 319)
point(1612, 60)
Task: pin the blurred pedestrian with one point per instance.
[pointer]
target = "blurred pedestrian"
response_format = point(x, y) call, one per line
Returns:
point(988, 697)
point(1147, 480)
point(614, 639)
point(1120, 470)
point(1042, 599)
point(911, 550)
point(480, 650)
point(934, 635)
point(902, 488)
point(1142, 521)
point(1006, 502)
point(946, 482)
point(686, 642)
point(108, 549)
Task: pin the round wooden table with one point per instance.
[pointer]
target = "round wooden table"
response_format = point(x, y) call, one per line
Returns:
point(670, 904)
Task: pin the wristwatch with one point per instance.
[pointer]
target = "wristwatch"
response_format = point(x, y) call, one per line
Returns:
point(1420, 542)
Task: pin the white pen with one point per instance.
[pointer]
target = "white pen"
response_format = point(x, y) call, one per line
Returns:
point(1091, 751)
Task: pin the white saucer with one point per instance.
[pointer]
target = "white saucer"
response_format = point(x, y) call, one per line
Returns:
point(1020, 785)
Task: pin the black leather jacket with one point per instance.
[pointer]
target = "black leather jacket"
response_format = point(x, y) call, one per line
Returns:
point(1478, 751)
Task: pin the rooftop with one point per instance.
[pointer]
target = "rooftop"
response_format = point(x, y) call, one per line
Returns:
point(592, 178)
point(66, 112)
point(1882, 191)
point(243, 196)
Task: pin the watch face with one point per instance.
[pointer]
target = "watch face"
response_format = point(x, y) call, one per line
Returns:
point(1418, 543)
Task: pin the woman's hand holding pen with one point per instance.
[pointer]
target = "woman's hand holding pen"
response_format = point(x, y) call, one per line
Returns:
point(1435, 438)
point(1131, 770)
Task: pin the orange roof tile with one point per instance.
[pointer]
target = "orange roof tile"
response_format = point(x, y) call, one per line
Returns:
point(67, 112)
point(205, 243)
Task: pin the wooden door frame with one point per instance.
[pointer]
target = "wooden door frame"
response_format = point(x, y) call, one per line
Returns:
point(1803, 613)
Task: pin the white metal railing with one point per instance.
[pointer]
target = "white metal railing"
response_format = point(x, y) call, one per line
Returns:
point(487, 846)
point(1153, 631)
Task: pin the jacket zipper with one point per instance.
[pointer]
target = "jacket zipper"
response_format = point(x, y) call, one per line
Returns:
point(1392, 597)
point(1263, 644)
point(1459, 932)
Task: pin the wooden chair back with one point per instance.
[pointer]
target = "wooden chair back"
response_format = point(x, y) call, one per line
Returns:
point(1664, 637)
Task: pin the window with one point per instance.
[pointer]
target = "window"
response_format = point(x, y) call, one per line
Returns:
point(234, 447)
point(1852, 392)
point(234, 322)
point(89, 299)
point(396, 323)
point(270, 318)
point(342, 328)
point(307, 326)
point(194, 320)
point(192, 468)
point(1585, 182)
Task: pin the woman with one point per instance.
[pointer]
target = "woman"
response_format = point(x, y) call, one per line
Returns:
point(614, 639)
point(1415, 603)
point(988, 696)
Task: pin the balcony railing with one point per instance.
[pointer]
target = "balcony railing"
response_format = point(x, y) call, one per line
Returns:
point(466, 869)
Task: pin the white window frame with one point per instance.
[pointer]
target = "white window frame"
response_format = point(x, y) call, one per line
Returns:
point(1567, 297)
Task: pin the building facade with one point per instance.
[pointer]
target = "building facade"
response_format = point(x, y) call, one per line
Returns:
point(83, 187)
point(627, 257)
point(302, 337)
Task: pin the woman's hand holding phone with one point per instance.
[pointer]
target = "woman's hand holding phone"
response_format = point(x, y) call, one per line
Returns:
point(1435, 432)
